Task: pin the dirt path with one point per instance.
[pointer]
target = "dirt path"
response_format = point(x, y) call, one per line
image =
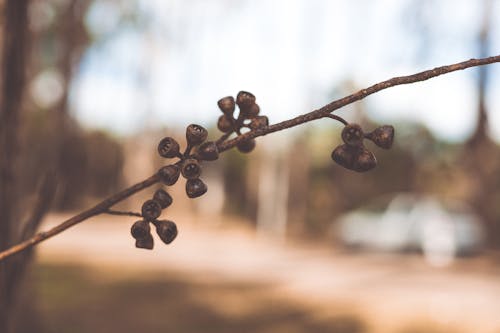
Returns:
point(388, 290)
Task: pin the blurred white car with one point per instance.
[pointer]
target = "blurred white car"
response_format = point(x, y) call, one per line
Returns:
point(407, 222)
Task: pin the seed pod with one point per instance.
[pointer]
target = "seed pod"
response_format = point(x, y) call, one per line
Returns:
point(167, 230)
point(246, 146)
point(224, 124)
point(251, 111)
point(244, 99)
point(352, 134)
point(145, 243)
point(364, 161)
point(382, 136)
point(191, 169)
point(208, 151)
point(227, 105)
point(196, 134)
point(169, 174)
point(356, 158)
point(168, 147)
point(195, 188)
point(150, 210)
point(259, 122)
point(163, 198)
point(140, 229)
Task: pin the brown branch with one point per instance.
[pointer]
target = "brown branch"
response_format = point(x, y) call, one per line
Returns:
point(325, 111)
point(121, 213)
point(100, 208)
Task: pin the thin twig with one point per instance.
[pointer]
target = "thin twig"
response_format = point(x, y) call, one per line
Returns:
point(323, 112)
point(118, 212)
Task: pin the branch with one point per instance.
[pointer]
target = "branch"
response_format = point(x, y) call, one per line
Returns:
point(325, 111)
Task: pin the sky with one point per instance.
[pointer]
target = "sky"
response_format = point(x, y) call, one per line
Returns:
point(171, 65)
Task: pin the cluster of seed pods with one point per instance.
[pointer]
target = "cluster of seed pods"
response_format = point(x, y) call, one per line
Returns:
point(248, 117)
point(352, 154)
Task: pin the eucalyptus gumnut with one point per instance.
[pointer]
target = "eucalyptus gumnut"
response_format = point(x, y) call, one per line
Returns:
point(140, 229)
point(208, 151)
point(251, 111)
point(195, 188)
point(224, 124)
point(168, 147)
point(352, 134)
point(145, 243)
point(356, 158)
point(167, 230)
point(196, 134)
point(382, 136)
point(150, 210)
point(246, 146)
point(169, 174)
point(163, 198)
point(191, 168)
point(244, 99)
point(227, 105)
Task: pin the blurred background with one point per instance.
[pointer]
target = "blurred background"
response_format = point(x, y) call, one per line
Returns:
point(285, 240)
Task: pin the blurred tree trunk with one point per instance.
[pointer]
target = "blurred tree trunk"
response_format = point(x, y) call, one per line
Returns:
point(481, 153)
point(14, 51)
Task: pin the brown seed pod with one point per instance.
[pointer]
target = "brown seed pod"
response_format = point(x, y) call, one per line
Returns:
point(382, 136)
point(251, 111)
point(227, 105)
point(246, 146)
point(150, 210)
point(169, 174)
point(168, 147)
point(365, 161)
point(224, 124)
point(140, 229)
point(244, 99)
point(352, 134)
point(195, 188)
point(163, 198)
point(145, 243)
point(259, 122)
point(356, 158)
point(196, 134)
point(191, 168)
point(167, 230)
point(208, 151)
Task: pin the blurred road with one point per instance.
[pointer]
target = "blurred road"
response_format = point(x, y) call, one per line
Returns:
point(382, 288)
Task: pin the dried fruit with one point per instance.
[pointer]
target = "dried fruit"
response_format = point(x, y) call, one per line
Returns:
point(169, 174)
point(208, 151)
point(244, 99)
point(145, 243)
point(224, 124)
point(195, 188)
point(382, 136)
point(352, 134)
point(227, 105)
point(140, 229)
point(251, 111)
point(191, 168)
point(150, 210)
point(195, 134)
point(168, 147)
point(163, 198)
point(356, 158)
point(259, 122)
point(246, 146)
point(167, 230)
